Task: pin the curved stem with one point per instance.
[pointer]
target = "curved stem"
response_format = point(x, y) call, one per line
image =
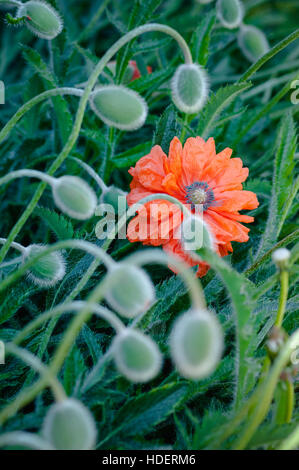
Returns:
point(264, 393)
point(290, 401)
point(279, 47)
point(81, 110)
point(88, 382)
point(258, 403)
point(92, 173)
point(285, 241)
point(263, 112)
point(26, 397)
point(157, 256)
point(17, 260)
point(34, 101)
point(29, 173)
point(24, 439)
point(39, 367)
point(291, 442)
point(13, 3)
point(72, 307)
point(14, 245)
point(284, 287)
point(64, 244)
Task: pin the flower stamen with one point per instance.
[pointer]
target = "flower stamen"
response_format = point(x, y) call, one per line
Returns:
point(199, 193)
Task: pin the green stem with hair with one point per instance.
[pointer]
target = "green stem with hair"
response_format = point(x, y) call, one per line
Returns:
point(81, 110)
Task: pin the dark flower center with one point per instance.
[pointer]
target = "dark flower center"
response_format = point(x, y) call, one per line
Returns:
point(199, 193)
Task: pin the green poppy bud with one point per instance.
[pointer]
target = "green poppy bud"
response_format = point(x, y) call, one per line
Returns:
point(112, 196)
point(74, 197)
point(48, 270)
point(136, 356)
point(280, 258)
point(130, 290)
point(196, 344)
point(69, 425)
point(230, 13)
point(195, 234)
point(119, 107)
point(190, 88)
point(43, 20)
point(252, 42)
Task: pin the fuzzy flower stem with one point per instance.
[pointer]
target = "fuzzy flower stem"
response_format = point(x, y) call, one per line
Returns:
point(265, 393)
point(259, 401)
point(291, 442)
point(29, 173)
point(15, 245)
point(155, 256)
point(81, 110)
point(13, 3)
point(28, 395)
point(34, 101)
point(24, 439)
point(72, 307)
point(263, 112)
point(284, 287)
point(279, 47)
point(92, 173)
point(39, 367)
point(75, 244)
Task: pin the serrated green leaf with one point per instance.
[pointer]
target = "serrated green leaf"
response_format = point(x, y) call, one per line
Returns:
point(64, 118)
point(282, 192)
point(216, 105)
point(74, 369)
point(143, 413)
point(201, 37)
point(60, 225)
point(167, 128)
point(241, 291)
point(11, 301)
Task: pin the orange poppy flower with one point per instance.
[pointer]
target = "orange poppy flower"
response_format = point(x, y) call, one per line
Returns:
point(193, 174)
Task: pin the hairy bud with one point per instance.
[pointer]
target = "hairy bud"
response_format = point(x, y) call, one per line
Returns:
point(74, 197)
point(119, 107)
point(280, 258)
point(252, 42)
point(136, 356)
point(189, 87)
point(196, 344)
point(130, 290)
point(230, 13)
point(69, 425)
point(48, 270)
point(42, 19)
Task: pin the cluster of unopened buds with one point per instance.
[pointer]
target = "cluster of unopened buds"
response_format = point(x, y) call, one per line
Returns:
point(195, 341)
point(251, 40)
